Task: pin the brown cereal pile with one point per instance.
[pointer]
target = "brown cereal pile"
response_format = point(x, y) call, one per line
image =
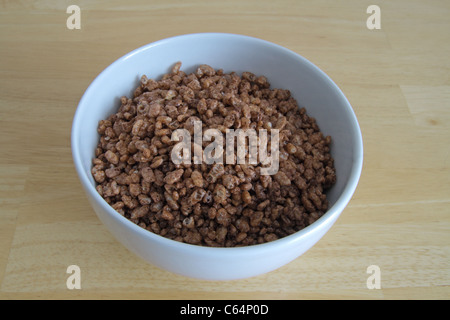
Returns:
point(218, 204)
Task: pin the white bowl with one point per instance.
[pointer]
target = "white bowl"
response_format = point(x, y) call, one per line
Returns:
point(312, 89)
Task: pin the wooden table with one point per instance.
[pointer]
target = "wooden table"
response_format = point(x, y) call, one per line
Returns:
point(396, 77)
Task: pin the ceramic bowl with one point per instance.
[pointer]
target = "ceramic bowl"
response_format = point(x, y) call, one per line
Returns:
point(310, 86)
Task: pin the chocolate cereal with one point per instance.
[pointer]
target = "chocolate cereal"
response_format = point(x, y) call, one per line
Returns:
point(217, 204)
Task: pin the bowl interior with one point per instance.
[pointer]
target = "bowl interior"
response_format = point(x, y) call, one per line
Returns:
point(285, 69)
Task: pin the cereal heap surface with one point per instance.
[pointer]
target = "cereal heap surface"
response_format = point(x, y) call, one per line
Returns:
point(215, 204)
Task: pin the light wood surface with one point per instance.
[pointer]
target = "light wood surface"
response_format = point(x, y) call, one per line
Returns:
point(396, 78)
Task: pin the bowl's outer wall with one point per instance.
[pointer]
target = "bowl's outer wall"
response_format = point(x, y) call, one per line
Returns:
point(208, 264)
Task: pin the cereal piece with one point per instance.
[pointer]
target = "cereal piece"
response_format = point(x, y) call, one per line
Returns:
point(176, 67)
point(111, 157)
point(193, 237)
point(205, 70)
point(246, 197)
point(99, 175)
point(282, 178)
point(147, 174)
point(167, 214)
point(135, 189)
point(230, 181)
point(189, 222)
point(216, 172)
point(112, 172)
point(223, 217)
point(139, 212)
point(157, 161)
point(197, 178)
point(220, 194)
point(263, 205)
point(173, 204)
point(137, 127)
point(154, 109)
point(256, 218)
point(281, 123)
point(197, 196)
point(174, 176)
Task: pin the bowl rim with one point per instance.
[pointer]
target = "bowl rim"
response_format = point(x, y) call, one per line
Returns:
point(332, 213)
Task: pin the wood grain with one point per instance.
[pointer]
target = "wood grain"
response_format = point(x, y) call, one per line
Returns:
point(397, 79)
